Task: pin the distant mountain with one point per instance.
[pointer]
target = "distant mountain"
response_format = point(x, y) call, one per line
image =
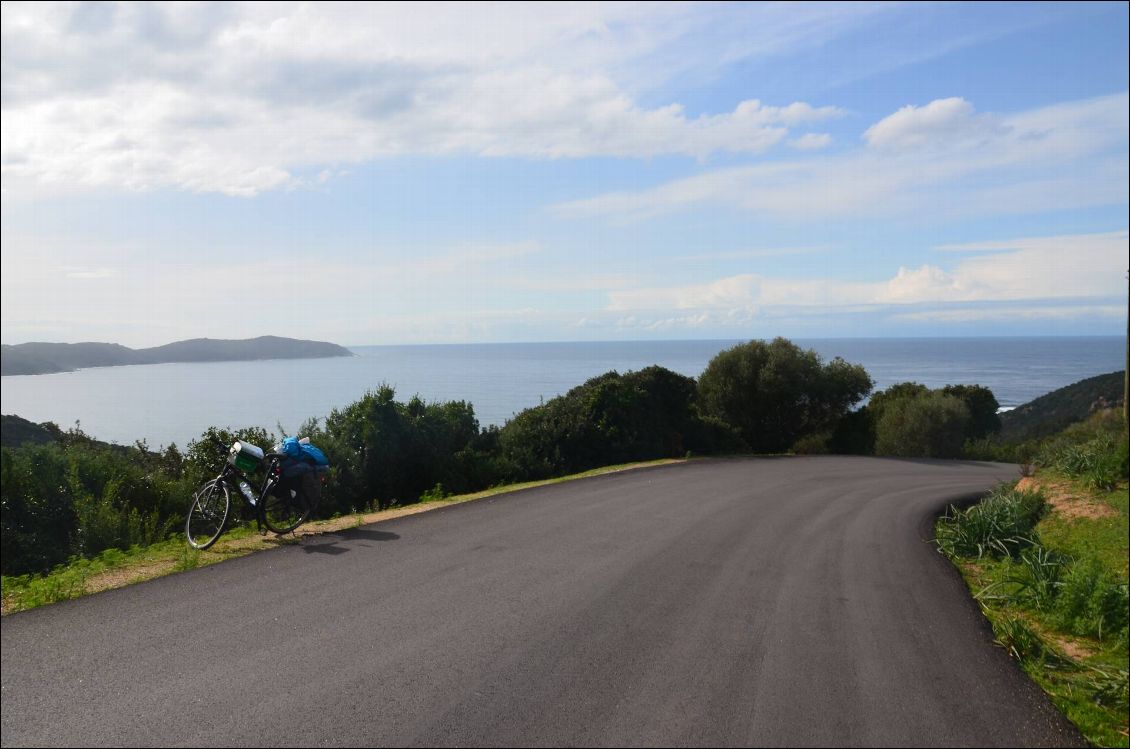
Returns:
point(1051, 413)
point(44, 358)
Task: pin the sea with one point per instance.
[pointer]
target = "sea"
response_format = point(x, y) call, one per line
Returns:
point(174, 403)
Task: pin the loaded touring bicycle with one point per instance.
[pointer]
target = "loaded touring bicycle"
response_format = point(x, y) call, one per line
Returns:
point(290, 491)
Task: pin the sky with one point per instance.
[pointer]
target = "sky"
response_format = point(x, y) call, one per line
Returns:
point(370, 174)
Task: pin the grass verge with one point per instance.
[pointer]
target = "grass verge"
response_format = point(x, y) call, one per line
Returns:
point(115, 568)
point(1047, 562)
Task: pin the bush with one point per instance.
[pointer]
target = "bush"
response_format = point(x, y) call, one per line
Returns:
point(774, 393)
point(78, 498)
point(1091, 602)
point(385, 452)
point(930, 425)
point(611, 418)
point(1100, 461)
point(982, 406)
point(854, 434)
point(813, 444)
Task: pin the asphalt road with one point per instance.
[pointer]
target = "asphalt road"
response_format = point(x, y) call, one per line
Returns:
point(788, 601)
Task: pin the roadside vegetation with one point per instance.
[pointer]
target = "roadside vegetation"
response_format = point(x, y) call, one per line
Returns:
point(1046, 559)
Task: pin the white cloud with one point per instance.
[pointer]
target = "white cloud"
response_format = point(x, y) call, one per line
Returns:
point(1077, 267)
point(811, 141)
point(245, 98)
point(942, 121)
point(1054, 158)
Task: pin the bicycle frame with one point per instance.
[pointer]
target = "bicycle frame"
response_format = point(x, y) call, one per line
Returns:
point(232, 476)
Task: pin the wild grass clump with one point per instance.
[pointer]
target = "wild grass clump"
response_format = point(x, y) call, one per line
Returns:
point(1033, 580)
point(1095, 451)
point(1091, 602)
point(1001, 525)
point(1100, 462)
point(1111, 688)
point(1022, 642)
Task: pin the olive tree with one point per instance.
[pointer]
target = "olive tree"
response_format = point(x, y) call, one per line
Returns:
point(775, 392)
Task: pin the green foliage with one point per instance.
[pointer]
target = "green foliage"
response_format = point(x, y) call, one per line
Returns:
point(775, 393)
point(854, 434)
point(1033, 580)
point(1100, 461)
point(611, 418)
point(813, 444)
point(982, 406)
point(77, 497)
point(435, 494)
point(1111, 688)
point(1092, 602)
point(1001, 525)
point(385, 452)
point(205, 455)
point(901, 391)
point(926, 425)
point(1022, 642)
point(1058, 409)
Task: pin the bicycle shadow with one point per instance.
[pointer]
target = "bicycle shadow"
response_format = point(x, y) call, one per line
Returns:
point(331, 543)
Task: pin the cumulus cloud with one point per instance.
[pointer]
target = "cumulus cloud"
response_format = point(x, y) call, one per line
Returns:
point(245, 98)
point(944, 122)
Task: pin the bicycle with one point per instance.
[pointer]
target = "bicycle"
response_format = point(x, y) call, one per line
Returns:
point(278, 509)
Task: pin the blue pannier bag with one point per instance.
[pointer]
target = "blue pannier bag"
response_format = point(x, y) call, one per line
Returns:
point(302, 458)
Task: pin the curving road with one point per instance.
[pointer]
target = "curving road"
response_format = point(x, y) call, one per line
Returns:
point(788, 601)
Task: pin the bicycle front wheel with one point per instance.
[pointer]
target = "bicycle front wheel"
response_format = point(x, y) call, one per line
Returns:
point(208, 514)
point(282, 514)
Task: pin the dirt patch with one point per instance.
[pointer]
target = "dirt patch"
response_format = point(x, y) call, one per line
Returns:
point(1064, 501)
point(1073, 649)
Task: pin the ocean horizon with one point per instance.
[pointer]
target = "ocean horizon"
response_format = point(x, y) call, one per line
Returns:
point(173, 403)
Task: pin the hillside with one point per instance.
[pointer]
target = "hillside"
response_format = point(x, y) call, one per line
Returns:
point(44, 358)
point(16, 431)
point(1052, 412)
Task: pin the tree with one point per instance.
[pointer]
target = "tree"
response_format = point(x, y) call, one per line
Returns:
point(773, 393)
point(611, 418)
point(982, 405)
point(929, 425)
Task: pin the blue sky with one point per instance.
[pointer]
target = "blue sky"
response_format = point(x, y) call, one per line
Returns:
point(465, 173)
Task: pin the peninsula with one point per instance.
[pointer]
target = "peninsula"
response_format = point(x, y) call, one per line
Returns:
point(45, 358)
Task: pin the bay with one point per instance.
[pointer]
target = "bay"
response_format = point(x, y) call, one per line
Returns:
point(165, 403)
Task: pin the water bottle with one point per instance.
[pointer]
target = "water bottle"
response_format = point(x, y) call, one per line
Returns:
point(246, 489)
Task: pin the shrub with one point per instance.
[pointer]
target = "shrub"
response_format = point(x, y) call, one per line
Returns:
point(1091, 602)
point(930, 425)
point(611, 418)
point(1098, 458)
point(982, 406)
point(775, 393)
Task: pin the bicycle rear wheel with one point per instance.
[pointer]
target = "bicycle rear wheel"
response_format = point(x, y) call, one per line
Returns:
point(282, 514)
point(208, 514)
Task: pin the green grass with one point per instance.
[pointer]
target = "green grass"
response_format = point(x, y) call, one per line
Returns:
point(74, 579)
point(1001, 525)
point(77, 577)
point(1057, 603)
